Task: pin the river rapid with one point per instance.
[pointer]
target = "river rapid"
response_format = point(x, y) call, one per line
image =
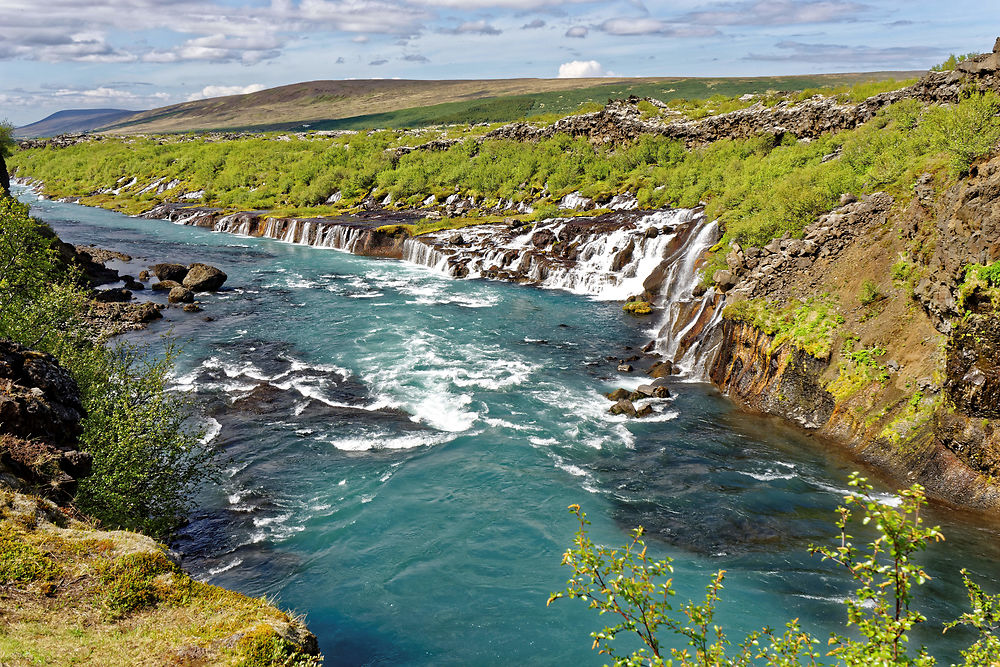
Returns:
point(403, 475)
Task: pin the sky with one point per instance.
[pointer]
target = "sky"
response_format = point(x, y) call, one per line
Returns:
point(142, 54)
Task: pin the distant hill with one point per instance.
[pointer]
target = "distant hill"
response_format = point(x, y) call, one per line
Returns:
point(393, 103)
point(72, 121)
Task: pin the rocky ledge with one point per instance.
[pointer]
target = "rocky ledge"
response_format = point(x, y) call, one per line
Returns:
point(67, 588)
point(40, 415)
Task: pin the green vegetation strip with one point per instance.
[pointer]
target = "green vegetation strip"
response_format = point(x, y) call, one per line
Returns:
point(759, 188)
point(809, 325)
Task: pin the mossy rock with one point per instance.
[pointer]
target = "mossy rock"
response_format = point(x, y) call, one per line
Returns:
point(23, 563)
point(638, 308)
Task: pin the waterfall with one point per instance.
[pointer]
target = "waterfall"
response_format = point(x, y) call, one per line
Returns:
point(424, 254)
point(687, 334)
point(290, 233)
point(607, 260)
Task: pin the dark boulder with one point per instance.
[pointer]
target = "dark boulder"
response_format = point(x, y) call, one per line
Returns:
point(543, 238)
point(618, 394)
point(204, 278)
point(623, 407)
point(180, 295)
point(644, 411)
point(40, 415)
point(660, 369)
point(174, 272)
point(165, 285)
point(38, 398)
point(116, 295)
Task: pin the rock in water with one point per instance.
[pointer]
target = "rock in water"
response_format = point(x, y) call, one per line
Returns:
point(204, 278)
point(165, 285)
point(660, 369)
point(644, 411)
point(174, 272)
point(115, 295)
point(618, 394)
point(180, 295)
point(623, 407)
point(624, 368)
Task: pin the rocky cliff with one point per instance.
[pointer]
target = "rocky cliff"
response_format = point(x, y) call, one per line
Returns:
point(911, 374)
point(70, 593)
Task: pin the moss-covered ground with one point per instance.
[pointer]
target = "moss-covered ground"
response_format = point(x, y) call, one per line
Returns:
point(72, 594)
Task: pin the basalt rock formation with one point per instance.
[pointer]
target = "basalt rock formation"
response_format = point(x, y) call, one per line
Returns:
point(912, 382)
point(40, 415)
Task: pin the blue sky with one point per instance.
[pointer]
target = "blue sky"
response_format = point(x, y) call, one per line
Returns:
point(140, 54)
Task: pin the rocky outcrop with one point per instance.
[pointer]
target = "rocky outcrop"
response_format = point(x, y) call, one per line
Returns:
point(973, 367)
point(774, 271)
point(40, 416)
point(780, 380)
point(963, 224)
point(953, 455)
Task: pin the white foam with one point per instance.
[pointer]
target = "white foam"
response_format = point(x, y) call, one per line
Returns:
point(211, 432)
point(236, 562)
point(369, 442)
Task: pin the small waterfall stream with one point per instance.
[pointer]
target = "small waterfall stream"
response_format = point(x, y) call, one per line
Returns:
point(687, 333)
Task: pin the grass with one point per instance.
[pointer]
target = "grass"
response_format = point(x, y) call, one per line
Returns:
point(809, 325)
point(859, 370)
point(76, 595)
point(430, 225)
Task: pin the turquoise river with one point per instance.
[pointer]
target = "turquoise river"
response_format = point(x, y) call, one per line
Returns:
point(403, 447)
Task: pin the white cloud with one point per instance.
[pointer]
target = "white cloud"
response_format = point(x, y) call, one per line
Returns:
point(578, 31)
point(222, 91)
point(629, 27)
point(580, 69)
point(777, 12)
point(504, 4)
point(205, 30)
point(480, 27)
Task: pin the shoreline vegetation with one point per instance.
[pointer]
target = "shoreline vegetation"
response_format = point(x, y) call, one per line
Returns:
point(90, 424)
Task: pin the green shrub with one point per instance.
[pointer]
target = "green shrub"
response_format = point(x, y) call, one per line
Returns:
point(147, 459)
point(128, 583)
point(869, 293)
point(952, 61)
point(636, 591)
point(21, 562)
point(969, 130)
point(263, 647)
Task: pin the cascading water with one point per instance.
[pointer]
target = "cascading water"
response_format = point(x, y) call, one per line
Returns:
point(608, 259)
point(606, 263)
point(687, 334)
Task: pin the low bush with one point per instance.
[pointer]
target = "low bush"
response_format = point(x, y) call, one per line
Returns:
point(636, 591)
